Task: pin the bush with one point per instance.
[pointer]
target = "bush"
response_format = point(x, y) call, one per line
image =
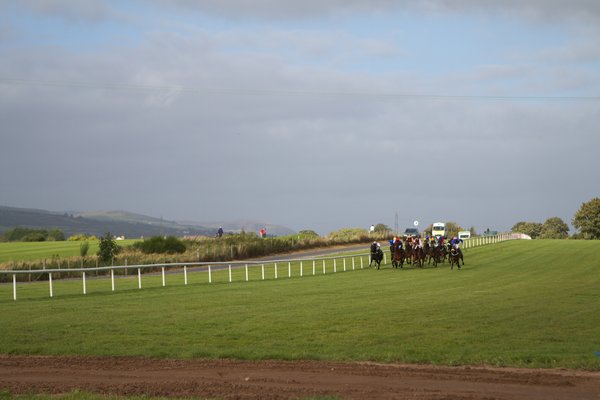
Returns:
point(34, 237)
point(349, 235)
point(83, 249)
point(81, 237)
point(56, 235)
point(161, 245)
point(107, 248)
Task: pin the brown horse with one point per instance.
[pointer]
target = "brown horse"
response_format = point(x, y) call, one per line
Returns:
point(455, 257)
point(418, 256)
point(399, 255)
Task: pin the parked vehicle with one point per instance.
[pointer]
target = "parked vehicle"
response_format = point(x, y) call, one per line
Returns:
point(464, 235)
point(438, 229)
point(411, 232)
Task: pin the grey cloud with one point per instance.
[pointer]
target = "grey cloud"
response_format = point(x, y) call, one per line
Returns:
point(68, 10)
point(298, 151)
point(554, 10)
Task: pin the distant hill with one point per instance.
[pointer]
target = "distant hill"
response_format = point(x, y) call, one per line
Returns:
point(131, 225)
point(118, 223)
point(245, 225)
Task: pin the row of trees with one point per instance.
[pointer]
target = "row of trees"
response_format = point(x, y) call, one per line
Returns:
point(19, 234)
point(586, 219)
point(553, 228)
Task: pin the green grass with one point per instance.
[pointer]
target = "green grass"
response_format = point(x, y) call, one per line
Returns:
point(25, 251)
point(519, 303)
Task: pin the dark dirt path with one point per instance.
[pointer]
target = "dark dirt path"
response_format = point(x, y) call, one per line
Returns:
point(230, 379)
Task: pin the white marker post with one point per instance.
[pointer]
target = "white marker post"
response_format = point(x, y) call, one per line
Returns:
point(209, 275)
point(84, 288)
point(246, 272)
point(229, 273)
point(139, 278)
point(163, 275)
point(50, 282)
point(185, 281)
point(14, 287)
point(112, 279)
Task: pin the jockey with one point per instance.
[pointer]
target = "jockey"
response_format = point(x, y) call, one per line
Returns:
point(455, 242)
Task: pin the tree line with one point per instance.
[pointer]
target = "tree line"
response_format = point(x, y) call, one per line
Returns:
point(586, 219)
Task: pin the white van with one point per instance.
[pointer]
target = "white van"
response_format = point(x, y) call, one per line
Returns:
point(464, 235)
point(438, 229)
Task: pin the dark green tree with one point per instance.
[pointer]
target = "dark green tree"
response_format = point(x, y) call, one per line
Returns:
point(382, 228)
point(452, 229)
point(554, 228)
point(308, 233)
point(533, 229)
point(587, 219)
point(56, 235)
point(84, 248)
point(107, 248)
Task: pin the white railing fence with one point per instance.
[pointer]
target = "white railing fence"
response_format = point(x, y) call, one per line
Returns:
point(275, 268)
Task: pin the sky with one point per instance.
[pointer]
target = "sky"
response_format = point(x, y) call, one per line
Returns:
point(313, 115)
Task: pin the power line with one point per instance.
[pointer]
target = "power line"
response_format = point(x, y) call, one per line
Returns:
point(268, 92)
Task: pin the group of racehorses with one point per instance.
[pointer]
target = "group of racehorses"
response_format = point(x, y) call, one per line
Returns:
point(411, 251)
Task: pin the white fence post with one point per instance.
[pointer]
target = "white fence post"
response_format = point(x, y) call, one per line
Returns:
point(263, 271)
point(185, 282)
point(163, 276)
point(112, 279)
point(334, 265)
point(229, 273)
point(289, 269)
point(314, 267)
point(275, 270)
point(50, 282)
point(15, 287)
point(139, 278)
point(361, 262)
point(323, 266)
point(209, 275)
point(352, 263)
point(344, 264)
point(84, 288)
point(246, 272)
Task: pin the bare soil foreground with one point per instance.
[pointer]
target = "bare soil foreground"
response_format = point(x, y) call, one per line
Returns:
point(230, 379)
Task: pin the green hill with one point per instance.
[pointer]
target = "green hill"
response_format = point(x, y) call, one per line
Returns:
point(119, 223)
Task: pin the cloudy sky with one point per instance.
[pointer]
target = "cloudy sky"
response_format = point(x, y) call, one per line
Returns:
point(310, 114)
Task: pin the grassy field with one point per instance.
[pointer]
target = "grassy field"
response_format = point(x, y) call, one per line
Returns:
point(23, 251)
point(519, 303)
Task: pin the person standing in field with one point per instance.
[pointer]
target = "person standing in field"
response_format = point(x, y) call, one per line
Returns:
point(220, 231)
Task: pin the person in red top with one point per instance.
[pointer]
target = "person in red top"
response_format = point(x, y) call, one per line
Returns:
point(262, 232)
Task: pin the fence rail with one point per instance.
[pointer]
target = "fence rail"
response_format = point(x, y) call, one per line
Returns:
point(302, 266)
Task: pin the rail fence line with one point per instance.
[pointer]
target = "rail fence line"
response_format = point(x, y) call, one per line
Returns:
point(357, 261)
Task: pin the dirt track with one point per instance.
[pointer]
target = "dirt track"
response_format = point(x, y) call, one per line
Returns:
point(230, 379)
